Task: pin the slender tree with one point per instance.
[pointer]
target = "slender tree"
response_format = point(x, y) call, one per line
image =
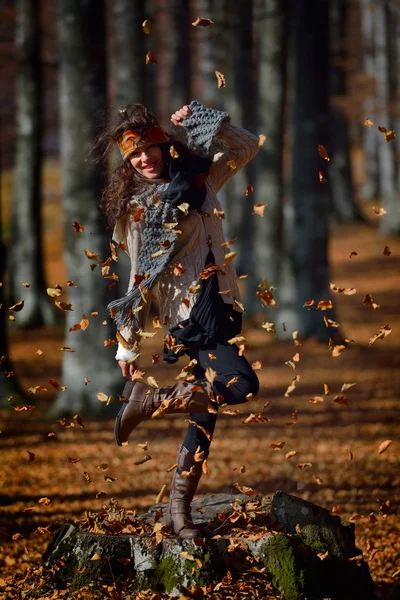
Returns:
point(265, 235)
point(387, 63)
point(129, 51)
point(82, 96)
point(26, 251)
point(179, 34)
point(345, 208)
point(371, 189)
point(310, 197)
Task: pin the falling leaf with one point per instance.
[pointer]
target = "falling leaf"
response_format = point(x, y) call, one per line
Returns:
point(258, 209)
point(17, 307)
point(368, 301)
point(37, 388)
point(228, 258)
point(347, 386)
point(256, 365)
point(158, 253)
point(161, 494)
point(152, 382)
point(345, 291)
point(382, 333)
point(388, 134)
point(387, 251)
point(330, 323)
point(184, 207)
point(220, 79)
point(17, 536)
point(179, 270)
point(202, 22)
point(269, 327)
point(102, 397)
point(296, 338)
point(96, 556)
point(109, 479)
point(341, 399)
point(31, 456)
point(338, 349)
point(204, 467)
point(27, 285)
point(206, 433)
point(150, 60)
point(320, 482)
point(322, 178)
point(261, 140)
point(108, 343)
point(63, 305)
point(277, 446)
point(335, 510)
point(249, 190)
point(232, 381)
point(325, 305)
point(379, 211)
point(304, 465)
point(291, 454)
point(146, 26)
point(45, 501)
point(84, 323)
point(316, 399)
point(368, 123)
point(173, 152)
point(77, 226)
point(210, 375)
point(244, 489)
point(24, 407)
point(231, 164)
point(54, 383)
point(39, 352)
point(292, 386)
point(327, 389)
point(353, 254)
point(92, 255)
point(73, 460)
point(87, 477)
point(384, 446)
point(323, 153)
point(267, 298)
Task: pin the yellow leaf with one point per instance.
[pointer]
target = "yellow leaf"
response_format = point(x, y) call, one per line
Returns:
point(158, 253)
point(146, 25)
point(291, 453)
point(210, 375)
point(84, 323)
point(258, 209)
point(202, 22)
point(261, 140)
point(152, 382)
point(122, 340)
point(238, 339)
point(184, 207)
point(96, 556)
point(231, 164)
point(161, 494)
point(220, 79)
point(173, 152)
point(63, 305)
point(54, 292)
point(150, 60)
point(228, 258)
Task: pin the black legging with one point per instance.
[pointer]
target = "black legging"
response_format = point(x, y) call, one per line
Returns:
point(227, 364)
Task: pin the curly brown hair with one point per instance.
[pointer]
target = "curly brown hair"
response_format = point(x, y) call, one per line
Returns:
point(125, 180)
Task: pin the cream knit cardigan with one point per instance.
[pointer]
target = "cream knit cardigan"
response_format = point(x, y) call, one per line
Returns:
point(198, 234)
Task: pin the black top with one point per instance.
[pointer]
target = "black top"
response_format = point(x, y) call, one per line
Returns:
point(211, 320)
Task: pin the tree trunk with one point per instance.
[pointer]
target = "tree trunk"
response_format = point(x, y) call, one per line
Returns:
point(390, 223)
point(264, 234)
point(82, 96)
point(371, 188)
point(26, 252)
point(344, 206)
point(129, 51)
point(310, 197)
point(179, 34)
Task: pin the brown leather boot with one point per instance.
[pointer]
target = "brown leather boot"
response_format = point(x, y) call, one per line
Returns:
point(179, 518)
point(144, 400)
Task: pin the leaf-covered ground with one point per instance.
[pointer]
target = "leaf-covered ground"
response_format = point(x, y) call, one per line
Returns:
point(337, 464)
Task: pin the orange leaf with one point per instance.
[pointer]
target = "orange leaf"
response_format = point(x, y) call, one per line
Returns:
point(323, 153)
point(220, 79)
point(384, 446)
point(202, 22)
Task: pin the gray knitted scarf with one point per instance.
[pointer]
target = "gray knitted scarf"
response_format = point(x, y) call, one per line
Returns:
point(187, 174)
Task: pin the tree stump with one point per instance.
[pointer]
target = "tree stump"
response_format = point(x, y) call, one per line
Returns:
point(305, 549)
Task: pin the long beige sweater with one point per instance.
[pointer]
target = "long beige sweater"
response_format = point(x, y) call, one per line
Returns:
point(175, 291)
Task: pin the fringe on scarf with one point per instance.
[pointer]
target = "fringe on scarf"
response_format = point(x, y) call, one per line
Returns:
point(123, 309)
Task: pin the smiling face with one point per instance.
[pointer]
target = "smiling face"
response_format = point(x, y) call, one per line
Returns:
point(148, 161)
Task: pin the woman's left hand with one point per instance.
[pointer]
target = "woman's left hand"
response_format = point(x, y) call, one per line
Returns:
point(180, 115)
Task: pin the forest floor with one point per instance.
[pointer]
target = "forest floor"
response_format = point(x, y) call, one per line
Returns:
point(341, 441)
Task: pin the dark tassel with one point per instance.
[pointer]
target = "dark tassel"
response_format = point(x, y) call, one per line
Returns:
point(124, 307)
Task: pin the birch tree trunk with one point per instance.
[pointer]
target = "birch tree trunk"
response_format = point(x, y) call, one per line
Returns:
point(371, 188)
point(26, 252)
point(310, 197)
point(344, 206)
point(390, 223)
point(82, 95)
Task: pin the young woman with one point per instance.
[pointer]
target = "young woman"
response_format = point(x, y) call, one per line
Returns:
point(162, 202)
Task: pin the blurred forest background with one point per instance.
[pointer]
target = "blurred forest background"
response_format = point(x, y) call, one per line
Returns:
point(321, 80)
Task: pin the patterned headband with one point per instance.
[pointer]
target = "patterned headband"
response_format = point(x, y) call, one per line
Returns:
point(130, 141)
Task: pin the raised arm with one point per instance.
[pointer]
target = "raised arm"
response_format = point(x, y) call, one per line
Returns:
point(210, 132)
point(129, 233)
